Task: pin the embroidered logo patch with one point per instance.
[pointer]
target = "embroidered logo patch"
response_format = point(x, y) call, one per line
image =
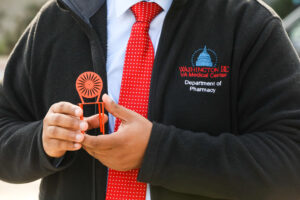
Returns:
point(205, 74)
point(204, 58)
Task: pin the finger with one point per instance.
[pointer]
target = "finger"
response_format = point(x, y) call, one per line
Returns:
point(60, 145)
point(59, 133)
point(67, 108)
point(65, 121)
point(102, 142)
point(116, 110)
point(93, 121)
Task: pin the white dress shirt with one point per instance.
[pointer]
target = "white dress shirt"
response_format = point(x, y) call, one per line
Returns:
point(119, 22)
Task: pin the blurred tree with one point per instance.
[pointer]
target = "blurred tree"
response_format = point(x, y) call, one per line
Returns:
point(282, 7)
point(2, 45)
point(296, 2)
point(11, 37)
point(1, 17)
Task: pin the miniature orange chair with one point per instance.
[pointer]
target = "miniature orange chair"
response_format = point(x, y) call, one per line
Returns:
point(89, 85)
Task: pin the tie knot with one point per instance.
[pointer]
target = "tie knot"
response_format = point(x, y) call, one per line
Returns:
point(145, 11)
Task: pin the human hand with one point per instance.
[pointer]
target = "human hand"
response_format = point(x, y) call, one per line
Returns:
point(123, 150)
point(62, 128)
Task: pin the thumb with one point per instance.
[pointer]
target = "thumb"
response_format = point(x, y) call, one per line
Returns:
point(116, 110)
point(93, 121)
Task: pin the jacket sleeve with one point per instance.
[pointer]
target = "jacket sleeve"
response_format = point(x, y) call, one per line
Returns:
point(262, 161)
point(22, 158)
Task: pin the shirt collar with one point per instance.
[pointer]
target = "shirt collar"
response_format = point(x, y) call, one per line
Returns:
point(121, 6)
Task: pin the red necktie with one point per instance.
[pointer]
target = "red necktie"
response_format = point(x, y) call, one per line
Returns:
point(134, 94)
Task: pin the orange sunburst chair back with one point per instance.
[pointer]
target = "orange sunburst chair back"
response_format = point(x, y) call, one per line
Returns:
point(89, 85)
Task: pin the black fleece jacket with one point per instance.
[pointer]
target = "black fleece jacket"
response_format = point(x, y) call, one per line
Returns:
point(224, 101)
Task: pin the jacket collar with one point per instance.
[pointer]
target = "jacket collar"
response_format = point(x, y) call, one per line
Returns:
point(85, 9)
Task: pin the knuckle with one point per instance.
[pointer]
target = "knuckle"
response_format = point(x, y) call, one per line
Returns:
point(71, 137)
point(73, 123)
point(52, 107)
point(45, 140)
point(70, 146)
point(61, 106)
point(58, 145)
point(55, 106)
point(76, 123)
point(64, 145)
point(56, 118)
point(58, 107)
point(51, 131)
point(46, 120)
point(52, 148)
point(51, 145)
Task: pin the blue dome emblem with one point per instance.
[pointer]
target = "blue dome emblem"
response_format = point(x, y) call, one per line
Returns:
point(204, 57)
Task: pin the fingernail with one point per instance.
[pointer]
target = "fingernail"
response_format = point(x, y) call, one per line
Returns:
point(83, 126)
point(76, 145)
point(78, 112)
point(109, 99)
point(79, 137)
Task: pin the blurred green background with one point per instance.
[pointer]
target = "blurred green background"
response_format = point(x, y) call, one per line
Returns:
point(15, 15)
point(283, 7)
